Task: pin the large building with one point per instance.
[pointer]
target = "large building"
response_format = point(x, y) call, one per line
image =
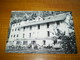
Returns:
point(39, 31)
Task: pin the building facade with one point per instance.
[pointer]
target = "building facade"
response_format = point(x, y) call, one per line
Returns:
point(39, 31)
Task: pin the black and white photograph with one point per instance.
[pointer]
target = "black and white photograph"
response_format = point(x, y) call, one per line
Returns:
point(47, 32)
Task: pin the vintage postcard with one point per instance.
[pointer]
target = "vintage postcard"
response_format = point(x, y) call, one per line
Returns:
point(50, 32)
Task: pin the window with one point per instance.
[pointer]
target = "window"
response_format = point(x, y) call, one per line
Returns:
point(18, 42)
point(11, 35)
point(33, 42)
point(58, 23)
point(18, 29)
point(44, 42)
point(30, 27)
point(47, 25)
point(12, 29)
point(23, 35)
point(14, 35)
point(48, 33)
point(23, 28)
point(15, 29)
point(38, 26)
point(29, 34)
point(17, 35)
point(24, 42)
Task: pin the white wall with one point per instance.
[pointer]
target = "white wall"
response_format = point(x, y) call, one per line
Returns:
point(38, 33)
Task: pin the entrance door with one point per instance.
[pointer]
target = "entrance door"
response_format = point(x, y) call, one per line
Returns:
point(33, 43)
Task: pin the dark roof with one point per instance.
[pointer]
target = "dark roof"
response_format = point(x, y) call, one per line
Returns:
point(51, 19)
